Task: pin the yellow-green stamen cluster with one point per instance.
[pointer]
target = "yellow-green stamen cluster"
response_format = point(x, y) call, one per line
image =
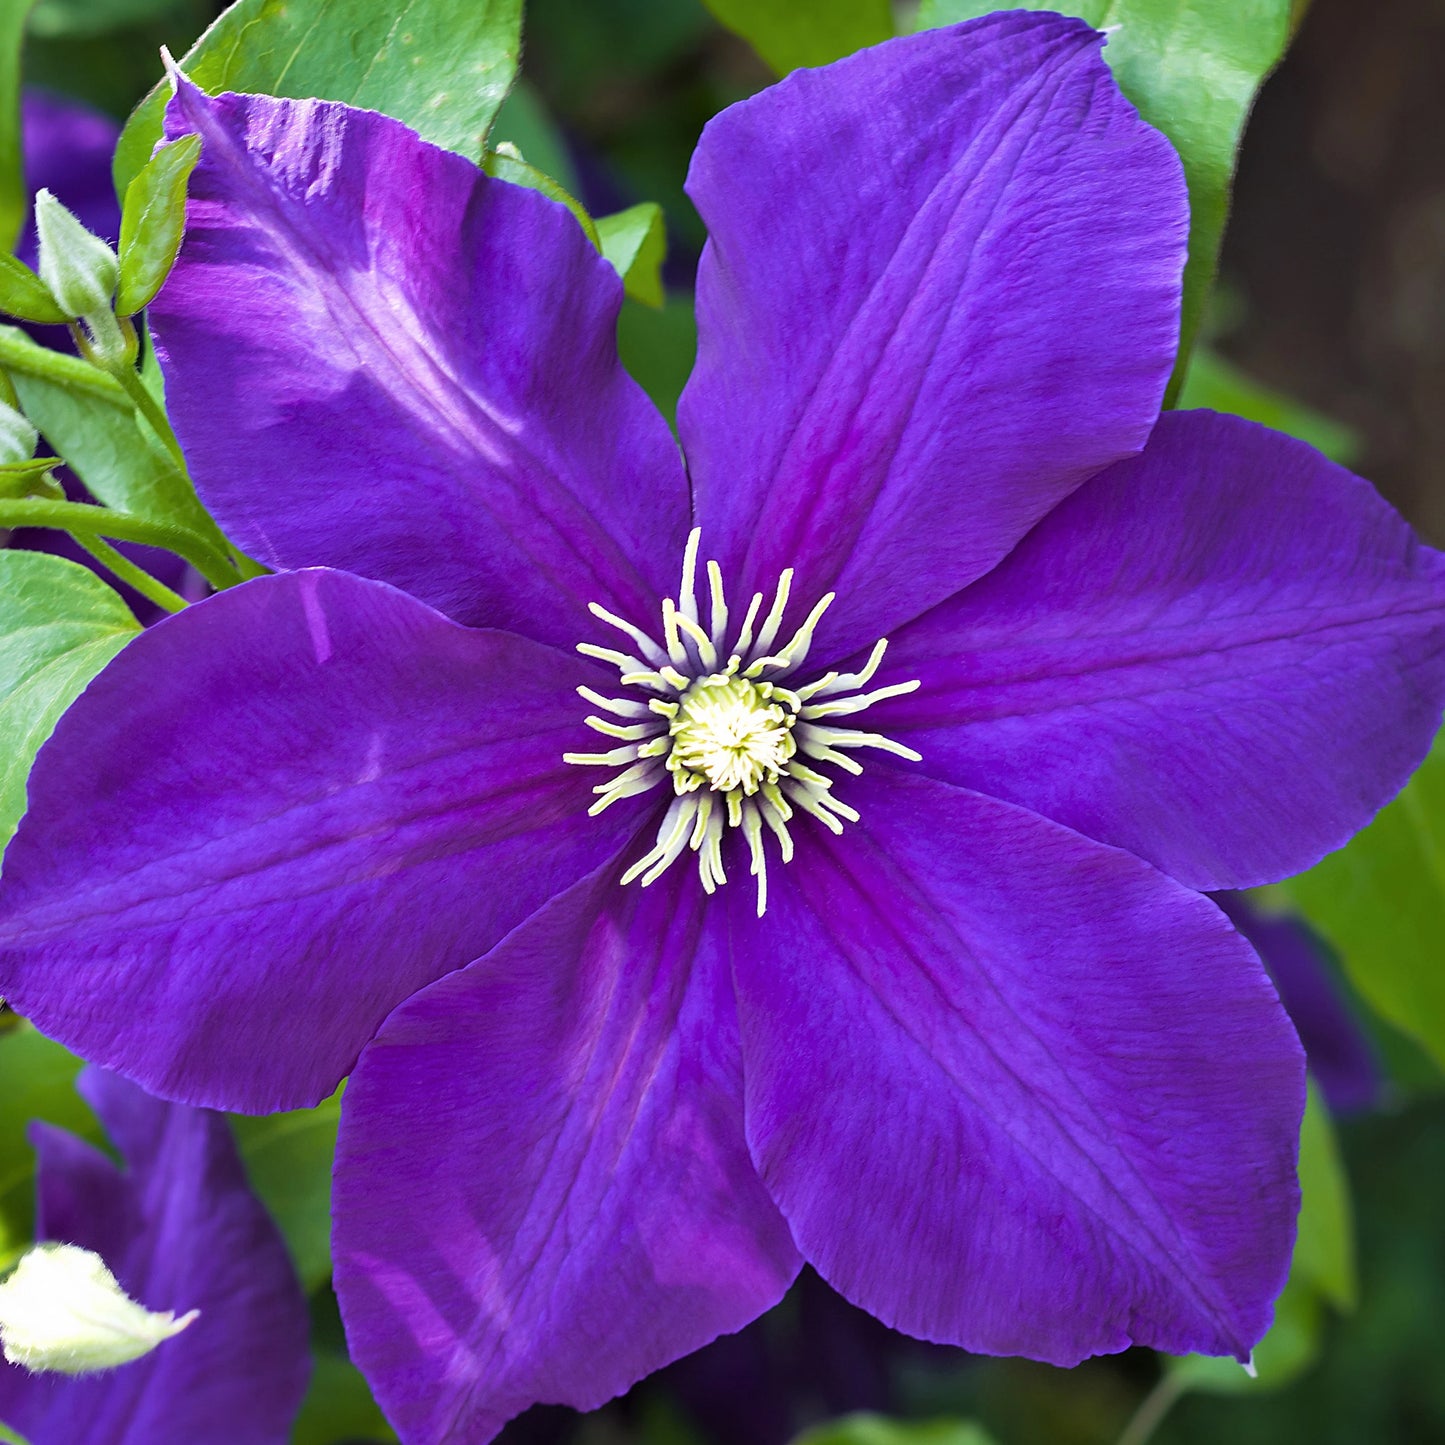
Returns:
point(719, 714)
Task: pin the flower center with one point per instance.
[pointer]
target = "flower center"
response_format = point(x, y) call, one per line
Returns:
point(719, 711)
point(729, 734)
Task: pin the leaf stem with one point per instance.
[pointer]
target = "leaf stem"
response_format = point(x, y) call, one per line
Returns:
point(10, 1437)
point(1169, 1389)
point(126, 570)
point(82, 520)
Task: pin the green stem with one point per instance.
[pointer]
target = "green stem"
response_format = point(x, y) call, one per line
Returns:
point(127, 571)
point(81, 519)
point(1171, 1387)
point(150, 409)
point(10, 1437)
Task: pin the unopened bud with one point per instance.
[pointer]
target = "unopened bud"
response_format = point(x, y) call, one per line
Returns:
point(18, 439)
point(78, 267)
point(62, 1310)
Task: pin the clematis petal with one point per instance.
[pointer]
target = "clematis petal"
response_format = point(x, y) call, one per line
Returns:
point(560, 1124)
point(181, 1230)
point(378, 359)
point(942, 289)
point(979, 1088)
point(1224, 656)
point(274, 817)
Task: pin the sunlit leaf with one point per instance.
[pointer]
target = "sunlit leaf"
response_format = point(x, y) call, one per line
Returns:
point(805, 32)
point(59, 625)
point(1380, 902)
point(90, 421)
point(288, 1161)
point(1193, 68)
point(442, 66)
point(635, 241)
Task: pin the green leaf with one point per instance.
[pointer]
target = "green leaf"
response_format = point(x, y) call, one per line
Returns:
point(658, 348)
point(1324, 1251)
point(442, 66)
point(635, 241)
point(14, 200)
point(37, 1081)
point(24, 294)
point(288, 1160)
point(877, 1430)
point(338, 1406)
point(89, 420)
point(1193, 68)
point(1380, 902)
point(153, 222)
point(790, 33)
point(1322, 1270)
point(59, 625)
point(1214, 383)
point(506, 164)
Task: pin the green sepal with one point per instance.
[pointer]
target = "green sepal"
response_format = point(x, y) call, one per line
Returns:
point(635, 241)
point(30, 479)
point(153, 222)
point(24, 295)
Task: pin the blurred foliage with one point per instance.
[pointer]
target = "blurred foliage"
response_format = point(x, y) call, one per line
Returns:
point(13, 201)
point(805, 32)
point(875, 1430)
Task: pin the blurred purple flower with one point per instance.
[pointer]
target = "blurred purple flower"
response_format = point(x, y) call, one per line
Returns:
point(1336, 1049)
point(66, 150)
point(987, 1060)
point(181, 1230)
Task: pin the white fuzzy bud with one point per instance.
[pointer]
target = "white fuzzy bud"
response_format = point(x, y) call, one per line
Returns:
point(62, 1309)
point(18, 439)
point(79, 268)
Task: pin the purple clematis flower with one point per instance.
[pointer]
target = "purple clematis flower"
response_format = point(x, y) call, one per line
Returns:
point(181, 1230)
point(890, 958)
